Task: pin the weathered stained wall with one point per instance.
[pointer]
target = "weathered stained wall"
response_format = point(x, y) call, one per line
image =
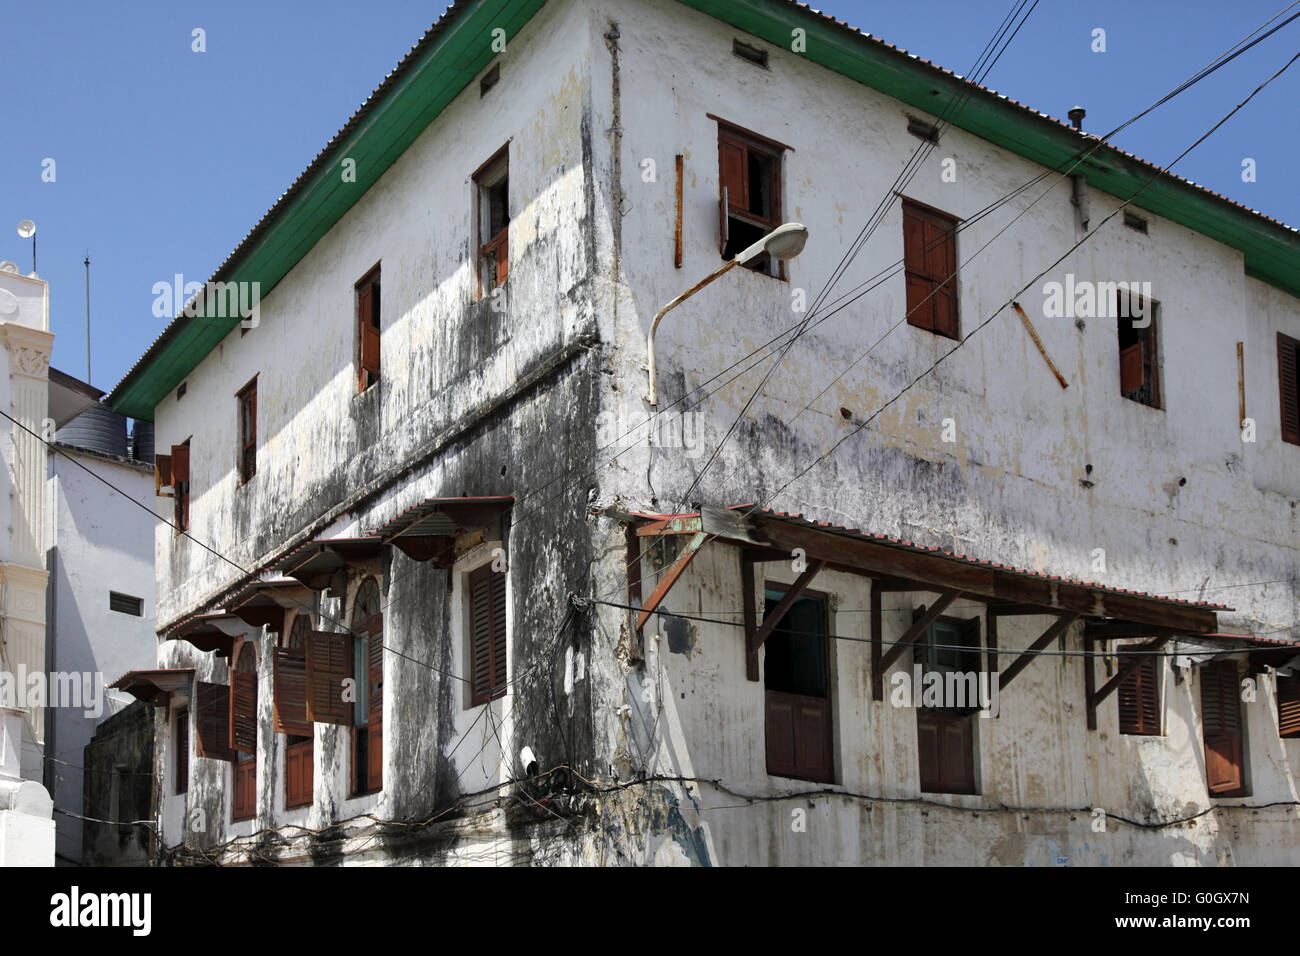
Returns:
point(117, 786)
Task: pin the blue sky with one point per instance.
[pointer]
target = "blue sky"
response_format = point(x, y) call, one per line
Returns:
point(166, 158)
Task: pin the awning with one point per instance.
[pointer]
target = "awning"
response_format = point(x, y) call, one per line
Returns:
point(155, 685)
point(263, 601)
point(208, 632)
point(427, 531)
point(321, 562)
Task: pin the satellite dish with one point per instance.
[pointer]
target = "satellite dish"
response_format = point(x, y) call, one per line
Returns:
point(8, 266)
point(26, 229)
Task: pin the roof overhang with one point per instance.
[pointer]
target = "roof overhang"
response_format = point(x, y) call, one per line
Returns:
point(428, 531)
point(321, 563)
point(155, 685)
point(209, 632)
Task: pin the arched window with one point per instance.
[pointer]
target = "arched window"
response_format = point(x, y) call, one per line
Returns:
point(299, 755)
point(243, 731)
point(368, 670)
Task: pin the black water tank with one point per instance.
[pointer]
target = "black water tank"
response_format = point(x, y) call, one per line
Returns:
point(98, 428)
point(142, 440)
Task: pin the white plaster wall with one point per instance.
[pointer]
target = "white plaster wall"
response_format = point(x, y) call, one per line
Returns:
point(104, 543)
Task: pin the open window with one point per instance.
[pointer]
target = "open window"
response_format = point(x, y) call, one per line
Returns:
point(930, 269)
point(1139, 696)
point(243, 732)
point(1139, 360)
point(368, 708)
point(1288, 361)
point(290, 680)
point(945, 731)
point(246, 399)
point(492, 210)
point(750, 202)
point(171, 479)
point(486, 591)
point(181, 779)
point(367, 299)
point(797, 690)
point(1221, 729)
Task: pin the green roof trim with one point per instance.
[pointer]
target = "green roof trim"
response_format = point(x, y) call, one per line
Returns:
point(447, 59)
point(458, 47)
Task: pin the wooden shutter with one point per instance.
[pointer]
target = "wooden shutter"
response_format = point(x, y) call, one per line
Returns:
point(1221, 726)
point(375, 652)
point(1139, 698)
point(779, 727)
point(243, 712)
point(290, 690)
point(920, 311)
point(487, 595)
point(369, 348)
point(212, 718)
point(162, 474)
point(957, 755)
point(1130, 368)
point(329, 664)
point(180, 463)
point(928, 746)
point(299, 774)
point(1289, 386)
point(182, 777)
point(1288, 706)
point(941, 263)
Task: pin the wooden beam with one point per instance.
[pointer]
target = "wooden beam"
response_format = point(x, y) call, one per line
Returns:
point(877, 672)
point(637, 642)
point(1089, 680)
point(1003, 610)
point(1023, 661)
point(1112, 685)
point(1106, 630)
point(787, 601)
point(750, 615)
point(919, 627)
point(991, 640)
point(687, 525)
point(670, 577)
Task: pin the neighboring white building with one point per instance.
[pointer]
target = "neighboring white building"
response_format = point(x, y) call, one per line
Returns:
point(439, 495)
point(101, 594)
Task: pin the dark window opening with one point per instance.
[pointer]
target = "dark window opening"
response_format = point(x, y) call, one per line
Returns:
point(125, 604)
point(490, 79)
point(749, 53)
point(247, 400)
point(180, 390)
point(368, 708)
point(1135, 222)
point(930, 269)
point(945, 734)
point(368, 312)
point(1139, 360)
point(180, 475)
point(750, 174)
point(492, 185)
point(797, 691)
point(923, 129)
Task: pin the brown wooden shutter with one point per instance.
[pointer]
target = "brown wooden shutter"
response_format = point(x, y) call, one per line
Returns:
point(1130, 368)
point(180, 464)
point(941, 261)
point(487, 595)
point(243, 712)
point(733, 184)
point(1221, 726)
point(329, 664)
point(920, 312)
point(1288, 706)
point(375, 652)
point(1289, 386)
point(369, 348)
point(1139, 698)
point(290, 687)
point(928, 729)
point(162, 474)
point(212, 718)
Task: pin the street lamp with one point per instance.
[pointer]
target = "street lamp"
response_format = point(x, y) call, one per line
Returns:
point(783, 242)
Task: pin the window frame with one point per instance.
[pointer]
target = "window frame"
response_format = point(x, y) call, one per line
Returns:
point(922, 287)
point(246, 403)
point(1227, 677)
point(243, 791)
point(181, 462)
point(1146, 719)
point(297, 747)
point(181, 752)
point(1149, 354)
point(747, 142)
point(367, 714)
point(369, 326)
point(492, 255)
point(776, 701)
point(1288, 373)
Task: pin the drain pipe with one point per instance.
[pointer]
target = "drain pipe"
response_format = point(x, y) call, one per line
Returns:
point(1079, 182)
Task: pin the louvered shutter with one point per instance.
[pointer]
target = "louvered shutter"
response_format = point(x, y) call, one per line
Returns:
point(375, 651)
point(243, 712)
point(1139, 697)
point(162, 474)
point(943, 268)
point(1288, 706)
point(1289, 386)
point(329, 664)
point(920, 309)
point(1130, 368)
point(487, 595)
point(290, 686)
point(928, 732)
point(180, 462)
point(212, 720)
point(1221, 726)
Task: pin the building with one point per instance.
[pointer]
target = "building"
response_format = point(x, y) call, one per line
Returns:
point(100, 606)
point(419, 525)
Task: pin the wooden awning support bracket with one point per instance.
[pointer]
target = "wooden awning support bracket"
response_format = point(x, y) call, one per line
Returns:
point(1095, 698)
point(1042, 349)
point(1056, 630)
point(670, 577)
point(918, 628)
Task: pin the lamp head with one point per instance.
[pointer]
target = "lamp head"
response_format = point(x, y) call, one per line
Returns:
point(784, 242)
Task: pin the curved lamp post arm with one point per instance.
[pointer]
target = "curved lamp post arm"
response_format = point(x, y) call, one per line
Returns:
point(784, 242)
